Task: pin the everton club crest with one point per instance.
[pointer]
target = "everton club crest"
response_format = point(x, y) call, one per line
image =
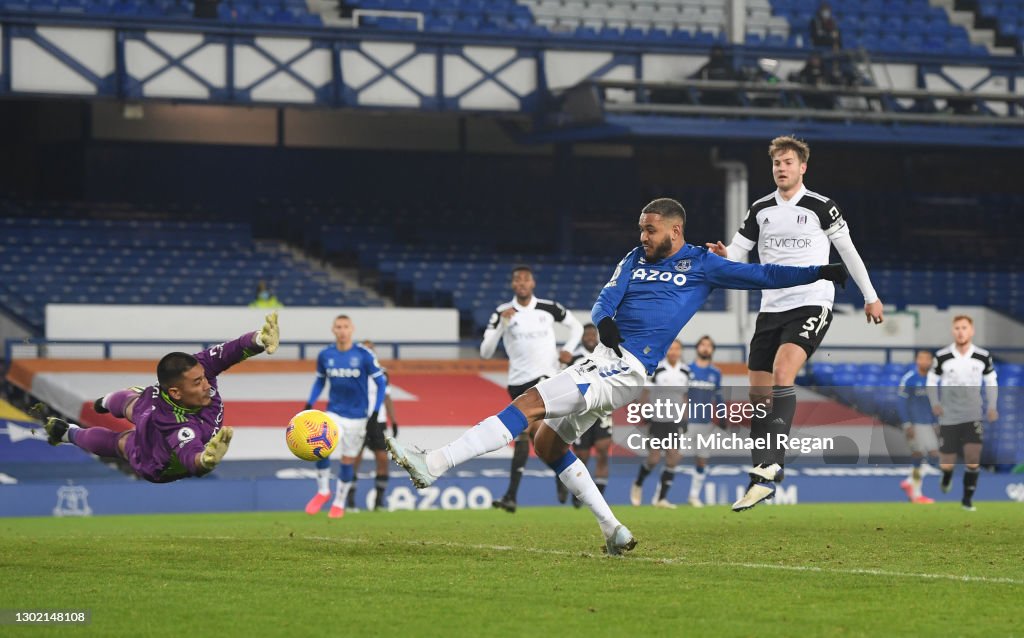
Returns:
point(683, 265)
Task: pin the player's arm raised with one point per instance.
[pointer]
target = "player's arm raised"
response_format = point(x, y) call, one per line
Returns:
point(222, 356)
point(495, 328)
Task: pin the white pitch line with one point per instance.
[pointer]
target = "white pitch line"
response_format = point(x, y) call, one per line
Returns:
point(852, 571)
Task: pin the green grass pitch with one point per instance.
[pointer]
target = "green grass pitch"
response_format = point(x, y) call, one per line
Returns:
point(808, 570)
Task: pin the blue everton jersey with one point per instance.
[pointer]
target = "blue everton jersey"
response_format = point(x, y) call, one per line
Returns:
point(348, 373)
point(914, 404)
point(706, 388)
point(651, 302)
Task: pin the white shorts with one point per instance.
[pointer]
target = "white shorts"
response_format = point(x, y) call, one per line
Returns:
point(696, 430)
point(590, 389)
point(924, 440)
point(353, 434)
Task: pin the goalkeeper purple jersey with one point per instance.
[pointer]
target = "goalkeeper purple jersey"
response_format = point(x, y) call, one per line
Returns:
point(167, 437)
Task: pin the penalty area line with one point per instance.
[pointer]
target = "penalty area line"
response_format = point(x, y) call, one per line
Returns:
point(811, 569)
point(851, 571)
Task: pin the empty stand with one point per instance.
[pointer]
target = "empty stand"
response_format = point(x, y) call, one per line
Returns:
point(53, 260)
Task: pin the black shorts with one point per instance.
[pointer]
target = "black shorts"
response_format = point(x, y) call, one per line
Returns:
point(375, 436)
point(515, 390)
point(662, 430)
point(805, 326)
point(592, 436)
point(953, 437)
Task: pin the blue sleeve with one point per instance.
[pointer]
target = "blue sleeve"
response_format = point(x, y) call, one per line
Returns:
point(903, 405)
point(722, 273)
point(321, 380)
point(374, 372)
point(318, 387)
point(611, 295)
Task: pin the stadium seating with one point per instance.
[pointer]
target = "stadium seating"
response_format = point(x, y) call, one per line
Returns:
point(897, 26)
point(1006, 16)
point(872, 388)
point(52, 260)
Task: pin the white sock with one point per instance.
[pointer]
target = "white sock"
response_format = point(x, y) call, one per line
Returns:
point(342, 493)
point(67, 435)
point(578, 480)
point(487, 436)
point(697, 483)
point(323, 480)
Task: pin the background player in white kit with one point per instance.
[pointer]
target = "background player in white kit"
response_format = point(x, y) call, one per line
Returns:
point(348, 367)
point(670, 382)
point(526, 325)
point(954, 389)
point(796, 227)
point(599, 436)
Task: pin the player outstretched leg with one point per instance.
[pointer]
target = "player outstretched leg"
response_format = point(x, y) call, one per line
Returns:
point(100, 441)
point(572, 392)
point(553, 448)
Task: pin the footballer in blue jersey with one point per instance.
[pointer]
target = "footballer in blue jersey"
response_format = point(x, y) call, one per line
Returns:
point(918, 423)
point(653, 292)
point(348, 367)
point(705, 399)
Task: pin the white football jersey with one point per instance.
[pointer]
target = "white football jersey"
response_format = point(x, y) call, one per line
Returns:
point(529, 338)
point(797, 232)
point(959, 378)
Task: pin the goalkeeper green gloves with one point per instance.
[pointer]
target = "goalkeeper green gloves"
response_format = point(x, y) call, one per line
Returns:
point(269, 336)
point(215, 449)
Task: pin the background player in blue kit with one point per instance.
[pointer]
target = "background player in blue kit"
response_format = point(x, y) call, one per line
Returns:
point(348, 366)
point(705, 390)
point(918, 423)
point(652, 294)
